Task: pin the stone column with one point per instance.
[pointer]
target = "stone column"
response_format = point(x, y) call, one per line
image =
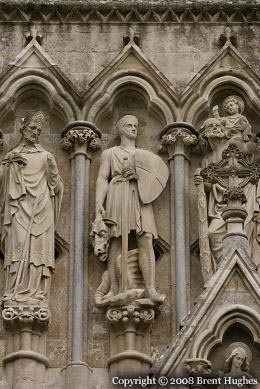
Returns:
point(130, 339)
point(198, 369)
point(26, 330)
point(177, 138)
point(79, 138)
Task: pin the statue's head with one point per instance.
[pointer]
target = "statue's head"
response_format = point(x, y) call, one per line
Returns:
point(238, 358)
point(127, 126)
point(233, 105)
point(212, 128)
point(32, 126)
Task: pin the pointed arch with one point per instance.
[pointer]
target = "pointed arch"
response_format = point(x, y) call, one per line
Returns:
point(47, 86)
point(220, 323)
point(227, 69)
point(33, 71)
point(131, 69)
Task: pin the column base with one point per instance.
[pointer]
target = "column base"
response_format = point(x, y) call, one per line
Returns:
point(25, 363)
point(76, 375)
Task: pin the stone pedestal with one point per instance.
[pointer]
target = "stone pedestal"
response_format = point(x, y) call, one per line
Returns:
point(130, 339)
point(234, 215)
point(177, 137)
point(26, 362)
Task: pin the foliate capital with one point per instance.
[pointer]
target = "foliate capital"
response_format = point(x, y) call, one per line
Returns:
point(198, 367)
point(130, 314)
point(81, 135)
point(179, 134)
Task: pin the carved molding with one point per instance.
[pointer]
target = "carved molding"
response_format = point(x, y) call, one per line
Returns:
point(131, 11)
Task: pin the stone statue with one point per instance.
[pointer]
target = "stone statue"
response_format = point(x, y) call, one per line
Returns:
point(31, 193)
point(235, 124)
point(129, 180)
point(217, 134)
point(238, 357)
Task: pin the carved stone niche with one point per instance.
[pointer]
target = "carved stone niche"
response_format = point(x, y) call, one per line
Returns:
point(26, 330)
point(236, 337)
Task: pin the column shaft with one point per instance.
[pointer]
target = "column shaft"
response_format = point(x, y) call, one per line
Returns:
point(78, 274)
point(176, 138)
point(180, 235)
point(78, 138)
point(172, 247)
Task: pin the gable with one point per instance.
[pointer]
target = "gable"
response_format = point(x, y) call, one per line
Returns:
point(231, 296)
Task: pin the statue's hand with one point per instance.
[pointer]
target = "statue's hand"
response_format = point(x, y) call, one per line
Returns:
point(52, 166)
point(129, 173)
point(215, 112)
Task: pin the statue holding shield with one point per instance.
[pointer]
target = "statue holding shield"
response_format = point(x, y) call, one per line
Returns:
point(129, 180)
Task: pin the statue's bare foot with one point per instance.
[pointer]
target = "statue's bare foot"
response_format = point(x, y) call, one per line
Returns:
point(156, 298)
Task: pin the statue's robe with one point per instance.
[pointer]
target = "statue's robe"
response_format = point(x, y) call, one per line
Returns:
point(152, 175)
point(31, 193)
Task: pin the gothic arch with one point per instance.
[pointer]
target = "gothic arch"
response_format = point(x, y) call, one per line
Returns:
point(49, 88)
point(219, 83)
point(220, 323)
point(156, 101)
point(131, 69)
point(227, 69)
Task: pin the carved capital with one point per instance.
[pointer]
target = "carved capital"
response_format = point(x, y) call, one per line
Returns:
point(25, 315)
point(198, 367)
point(177, 137)
point(80, 137)
point(130, 314)
point(181, 135)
